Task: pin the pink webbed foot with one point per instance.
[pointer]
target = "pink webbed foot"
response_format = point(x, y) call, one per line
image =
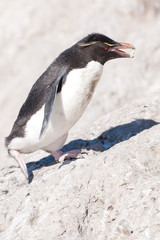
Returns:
point(60, 156)
point(17, 156)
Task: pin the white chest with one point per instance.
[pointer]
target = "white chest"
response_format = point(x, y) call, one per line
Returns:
point(77, 91)
point(74, 97)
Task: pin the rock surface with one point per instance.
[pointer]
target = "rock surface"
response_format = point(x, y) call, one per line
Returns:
point(112, 190)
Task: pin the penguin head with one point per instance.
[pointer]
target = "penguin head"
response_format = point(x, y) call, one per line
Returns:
point(101, 48)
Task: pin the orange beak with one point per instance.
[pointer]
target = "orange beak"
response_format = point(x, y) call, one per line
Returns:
point(125, 46)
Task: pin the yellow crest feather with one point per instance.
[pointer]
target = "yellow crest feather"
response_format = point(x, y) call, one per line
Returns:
point(110, 45)
point(86, 44)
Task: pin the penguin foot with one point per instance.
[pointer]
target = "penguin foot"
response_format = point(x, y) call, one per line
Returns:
point(61, 156)
point(17, 156)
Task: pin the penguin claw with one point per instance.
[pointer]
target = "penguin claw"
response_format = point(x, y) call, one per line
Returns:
point(60, 156)
point(17, 156)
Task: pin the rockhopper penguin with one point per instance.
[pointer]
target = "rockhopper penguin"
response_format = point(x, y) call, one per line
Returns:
point(59, 97)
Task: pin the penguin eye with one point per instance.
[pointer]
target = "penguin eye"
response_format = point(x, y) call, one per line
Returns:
point(106, 48)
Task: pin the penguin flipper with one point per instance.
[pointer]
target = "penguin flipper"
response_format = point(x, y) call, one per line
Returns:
point(50, 97)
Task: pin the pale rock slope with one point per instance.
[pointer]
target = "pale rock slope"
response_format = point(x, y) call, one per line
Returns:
point(110, 192)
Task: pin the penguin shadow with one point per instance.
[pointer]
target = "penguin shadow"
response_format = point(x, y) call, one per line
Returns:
point(106, 140)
